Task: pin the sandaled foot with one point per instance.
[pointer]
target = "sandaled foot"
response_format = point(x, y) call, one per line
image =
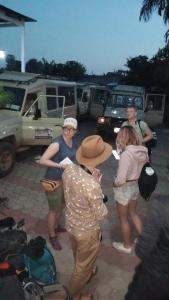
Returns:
point(55, 243)
point(93, 273)
point(120, 247)
point(60, 229)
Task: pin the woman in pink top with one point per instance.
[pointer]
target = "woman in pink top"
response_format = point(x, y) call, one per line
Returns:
point(132, 158)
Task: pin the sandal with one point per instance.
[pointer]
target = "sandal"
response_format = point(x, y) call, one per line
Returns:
point(93, 273)
point(55, 243)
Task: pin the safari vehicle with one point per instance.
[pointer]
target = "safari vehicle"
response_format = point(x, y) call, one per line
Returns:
point(34, 113)
point(150, 108)
point(91, 99)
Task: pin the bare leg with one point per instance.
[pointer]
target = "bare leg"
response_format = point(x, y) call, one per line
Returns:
point(134, 216)
point(53, 219)
point(125, 227)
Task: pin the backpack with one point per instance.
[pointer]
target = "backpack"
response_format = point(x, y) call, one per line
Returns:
point(147, 181)
point(12, 242)
point(39, 262)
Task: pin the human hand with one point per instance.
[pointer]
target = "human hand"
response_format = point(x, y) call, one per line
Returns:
point(64, 166)
point(97, 175)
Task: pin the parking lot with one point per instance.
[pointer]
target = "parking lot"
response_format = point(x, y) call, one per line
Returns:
point(26, 199)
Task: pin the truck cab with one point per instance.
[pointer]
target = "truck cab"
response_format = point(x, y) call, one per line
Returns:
point(150, 107)
point(115, 110)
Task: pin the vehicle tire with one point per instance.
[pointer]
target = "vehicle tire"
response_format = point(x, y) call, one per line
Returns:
point(7, 158)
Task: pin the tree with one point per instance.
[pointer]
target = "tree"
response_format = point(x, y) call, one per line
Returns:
point(139, 71)
point(162, 8)
point(12, 64)
point(4, 97)
point(34, 66)
point(74, 70)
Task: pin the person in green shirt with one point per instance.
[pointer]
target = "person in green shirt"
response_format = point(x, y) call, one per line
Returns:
point(141, 127)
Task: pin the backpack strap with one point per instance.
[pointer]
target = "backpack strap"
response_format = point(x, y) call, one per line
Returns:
point(138, 122)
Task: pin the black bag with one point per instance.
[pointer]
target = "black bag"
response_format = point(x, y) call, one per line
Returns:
point(147, 181)
point(153, 142)
point(12, 242)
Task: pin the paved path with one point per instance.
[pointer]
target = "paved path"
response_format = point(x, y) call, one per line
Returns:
point(27, 200)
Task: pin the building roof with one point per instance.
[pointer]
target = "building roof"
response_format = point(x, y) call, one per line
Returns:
point(9, 17)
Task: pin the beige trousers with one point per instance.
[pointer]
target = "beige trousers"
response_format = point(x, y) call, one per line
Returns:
point(85, 249)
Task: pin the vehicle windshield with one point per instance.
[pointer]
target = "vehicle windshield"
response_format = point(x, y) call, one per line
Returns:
point(124, 101)
point(16, 97)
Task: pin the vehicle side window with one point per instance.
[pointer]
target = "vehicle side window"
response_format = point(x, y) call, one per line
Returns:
point(51, 101)
point(79, 94)
point(155, 102)
point(68, 92)
point(31, 97)
point(100, 96)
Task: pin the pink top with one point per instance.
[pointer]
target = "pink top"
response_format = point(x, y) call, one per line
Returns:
point(131, 162)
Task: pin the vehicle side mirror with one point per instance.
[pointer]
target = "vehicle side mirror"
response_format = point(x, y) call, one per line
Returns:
point(37, 114)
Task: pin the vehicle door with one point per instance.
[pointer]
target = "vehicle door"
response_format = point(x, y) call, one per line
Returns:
point(154, 109)
point(98, 101)
point(83, 101)
point(36, 128)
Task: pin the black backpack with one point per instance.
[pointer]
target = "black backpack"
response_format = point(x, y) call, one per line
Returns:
point(12, 242)
point(147, 181)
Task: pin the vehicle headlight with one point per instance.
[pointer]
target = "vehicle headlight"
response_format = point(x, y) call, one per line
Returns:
point(116, 129)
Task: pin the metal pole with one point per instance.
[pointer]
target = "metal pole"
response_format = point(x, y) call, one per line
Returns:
point(23, 48)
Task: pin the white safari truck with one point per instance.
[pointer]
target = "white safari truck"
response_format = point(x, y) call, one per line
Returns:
point(34, 113)
point(150, 108)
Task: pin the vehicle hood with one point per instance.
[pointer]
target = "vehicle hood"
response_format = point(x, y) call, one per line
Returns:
point(8, 117)
point(138, 152)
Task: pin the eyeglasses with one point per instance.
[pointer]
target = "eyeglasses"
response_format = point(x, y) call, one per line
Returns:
point(69, 129)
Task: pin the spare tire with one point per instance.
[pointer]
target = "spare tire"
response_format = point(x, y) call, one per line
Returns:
point(7, 158)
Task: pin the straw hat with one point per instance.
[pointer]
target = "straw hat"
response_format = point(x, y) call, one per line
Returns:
point(93, 151)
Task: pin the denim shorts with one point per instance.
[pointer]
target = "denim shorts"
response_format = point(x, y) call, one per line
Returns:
point(56, 199)
point(126, 193)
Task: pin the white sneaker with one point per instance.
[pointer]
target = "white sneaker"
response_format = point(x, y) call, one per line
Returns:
point(121, 247)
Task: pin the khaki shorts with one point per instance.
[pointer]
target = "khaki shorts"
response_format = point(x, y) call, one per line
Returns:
point(126, 193)
point(56, 199)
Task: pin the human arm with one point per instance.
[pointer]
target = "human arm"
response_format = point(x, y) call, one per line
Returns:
point(147, 133)
point(151, 230)
point(124, 164)
point(45, 159)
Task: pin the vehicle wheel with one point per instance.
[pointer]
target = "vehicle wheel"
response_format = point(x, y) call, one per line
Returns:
point(7, 158)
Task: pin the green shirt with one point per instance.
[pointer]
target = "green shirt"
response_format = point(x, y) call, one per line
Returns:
point(136, 126)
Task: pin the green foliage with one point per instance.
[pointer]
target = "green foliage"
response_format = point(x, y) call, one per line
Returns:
point(72, 70)
point(162, 8)
point(4, 97)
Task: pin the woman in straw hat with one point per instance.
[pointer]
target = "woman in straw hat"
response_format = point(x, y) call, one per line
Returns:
point(84, 210)
point(62, 147)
